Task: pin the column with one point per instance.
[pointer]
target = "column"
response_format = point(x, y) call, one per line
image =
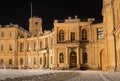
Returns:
point(78, 58)
point(67, 58)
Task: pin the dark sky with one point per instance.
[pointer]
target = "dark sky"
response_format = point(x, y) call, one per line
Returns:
point(19, 12)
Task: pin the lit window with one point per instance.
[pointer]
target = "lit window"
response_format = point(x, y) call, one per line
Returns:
point(99, 33)
point(61, 35)
point(72, 36)
point(28, 61)
point(10, 61)
point(84, 34)
point(85, 57)
point(61, 58)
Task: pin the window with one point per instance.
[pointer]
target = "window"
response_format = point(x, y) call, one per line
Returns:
point(35, 46)
point(21, 61)
point(72, 36)
point(46, 42)
point(2, 34)
point(2, 48)
point(10, 47)
point(36, 23)
point(40, 44)
point(84, 34)
point(21, 47)
point(1, 62)
point(35, 61)
point(99, 33)
point(40, 60)
point(61, 58)
point(84, 57)
point(28, 61)
point(61, 35)
point(10, 61)
point(51, 59)
point(11, 33)
point(28, 46)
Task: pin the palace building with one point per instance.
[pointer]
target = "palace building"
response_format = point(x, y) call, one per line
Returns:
point(72, 43)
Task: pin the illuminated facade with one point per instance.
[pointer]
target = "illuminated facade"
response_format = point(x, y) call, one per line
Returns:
point(72, 43)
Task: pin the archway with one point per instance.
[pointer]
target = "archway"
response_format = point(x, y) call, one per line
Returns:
point(73, 60)
point(102, 61)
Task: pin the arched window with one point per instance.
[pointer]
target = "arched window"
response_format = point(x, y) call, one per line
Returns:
point(61, 35)
point(61, 58)
point(84, 34)
point(84, 57)
point(21, 61)
point(35, 61)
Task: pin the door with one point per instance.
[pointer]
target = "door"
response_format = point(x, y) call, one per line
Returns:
point(73, 60)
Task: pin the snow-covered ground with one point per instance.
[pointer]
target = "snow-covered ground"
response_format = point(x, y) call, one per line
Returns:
point(83, 76)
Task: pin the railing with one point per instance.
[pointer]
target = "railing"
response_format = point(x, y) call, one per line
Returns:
point(75, 41)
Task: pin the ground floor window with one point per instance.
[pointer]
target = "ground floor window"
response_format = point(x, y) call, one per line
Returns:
point(21, 61)
point(61, 58)
point(1, 62)
point(28, 61)
point(84, 57)
point(35, 61)
point(40, 60)
point(10, 61)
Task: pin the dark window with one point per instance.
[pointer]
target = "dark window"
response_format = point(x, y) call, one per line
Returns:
point(35, 61)
point(99, 33)
point(84, 34)
point(21, 61)
point(2, 47)
point(61, 58)
point(36, 23)
point(10, 47)
point(1, 61)
point(72, 36)
point(40, 45)
point(10, 61)
point(2, 34)
point(61, 35)
point(40, 60)
point(85, 57)
point(21, 47)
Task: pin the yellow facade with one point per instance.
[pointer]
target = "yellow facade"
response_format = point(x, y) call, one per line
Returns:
point(72, 43)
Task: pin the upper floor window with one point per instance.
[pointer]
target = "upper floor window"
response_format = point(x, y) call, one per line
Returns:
point(11, 33)
point(61, 58)
point(28, 46)
point(2, 47)
point(21, 47)
point(40, 44)
point(99, 33)
point(72, 36)
point(46, 42)
point(84, 34)
point(61, 35)
point(10, 47)
point(2, 34)
point(35, 46)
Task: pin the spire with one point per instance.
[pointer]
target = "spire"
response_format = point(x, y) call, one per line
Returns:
point(31, 10)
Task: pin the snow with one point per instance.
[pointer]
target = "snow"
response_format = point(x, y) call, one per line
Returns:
point(84, 75)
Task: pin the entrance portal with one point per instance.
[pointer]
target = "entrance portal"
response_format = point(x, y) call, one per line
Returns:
point(73, 60)
point(102, 60)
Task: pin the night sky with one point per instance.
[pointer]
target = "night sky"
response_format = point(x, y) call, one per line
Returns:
point(19, 12)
